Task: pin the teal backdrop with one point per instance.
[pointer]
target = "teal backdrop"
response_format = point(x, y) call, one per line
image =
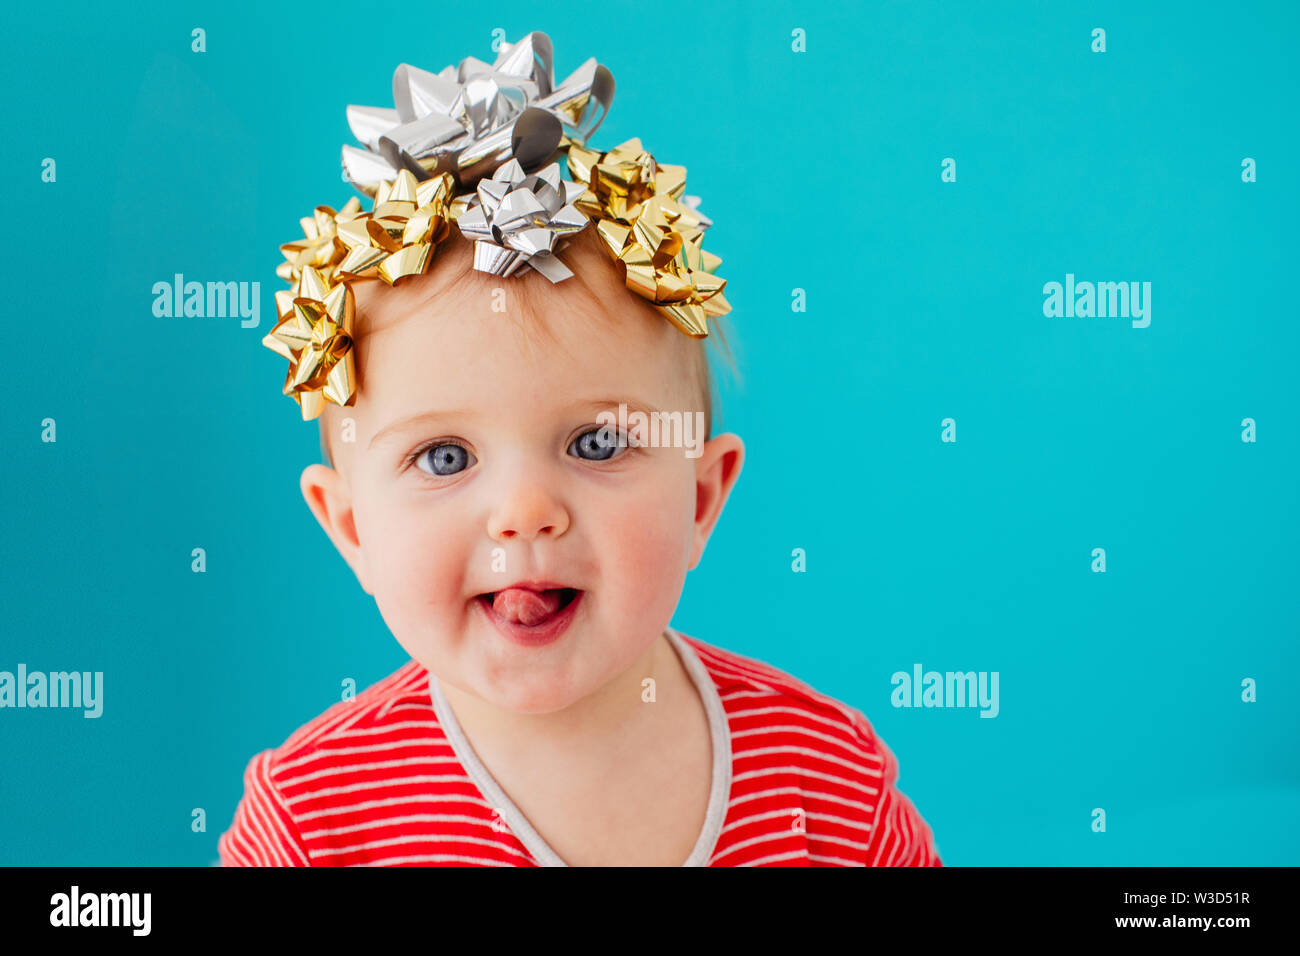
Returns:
point(1162, 690)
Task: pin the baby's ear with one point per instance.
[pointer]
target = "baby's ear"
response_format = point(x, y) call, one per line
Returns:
point(328, 498)
point(716, 471)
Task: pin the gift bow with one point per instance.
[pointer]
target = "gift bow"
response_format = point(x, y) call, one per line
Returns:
point(517, 220)
point(315, 335)
point(653, 230)
point(470, 120)
point(397, 238)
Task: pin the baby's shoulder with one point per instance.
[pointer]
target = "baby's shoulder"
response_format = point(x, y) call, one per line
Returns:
point(758, 696)
point(393, 704)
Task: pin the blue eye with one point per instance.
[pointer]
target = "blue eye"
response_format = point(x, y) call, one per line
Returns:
point(445, 459)
point(599, 444)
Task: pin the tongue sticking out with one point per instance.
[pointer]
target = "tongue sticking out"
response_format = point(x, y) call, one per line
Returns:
point(525, 607)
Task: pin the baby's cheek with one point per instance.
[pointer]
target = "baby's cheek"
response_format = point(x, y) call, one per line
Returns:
point(419, 574)
point(649, 543)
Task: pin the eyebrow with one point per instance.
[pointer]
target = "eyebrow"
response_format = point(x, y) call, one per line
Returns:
point(424, 419)
point(633, 405)
point(412, 421)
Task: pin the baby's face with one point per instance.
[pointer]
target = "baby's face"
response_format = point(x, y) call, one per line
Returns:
point(478, 465)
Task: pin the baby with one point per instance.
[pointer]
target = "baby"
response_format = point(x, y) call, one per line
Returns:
point(528, 552)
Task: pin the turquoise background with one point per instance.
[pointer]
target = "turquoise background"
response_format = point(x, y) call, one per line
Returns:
point(821, 171)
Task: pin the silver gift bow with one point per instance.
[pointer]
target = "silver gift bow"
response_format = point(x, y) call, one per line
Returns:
point(470, 120)
point(517, 219)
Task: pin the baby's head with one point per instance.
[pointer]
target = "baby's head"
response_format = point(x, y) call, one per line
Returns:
point(478, 456)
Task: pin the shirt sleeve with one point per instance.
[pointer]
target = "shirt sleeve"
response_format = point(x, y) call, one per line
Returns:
point(263, 832)
point(899, 836)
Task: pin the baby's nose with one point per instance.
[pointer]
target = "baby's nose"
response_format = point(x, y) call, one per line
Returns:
point(528, 511)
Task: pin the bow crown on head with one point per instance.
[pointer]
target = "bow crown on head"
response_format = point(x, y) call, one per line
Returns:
point(479, 145)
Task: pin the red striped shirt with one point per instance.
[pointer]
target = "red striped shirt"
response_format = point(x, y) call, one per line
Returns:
point(800, 779)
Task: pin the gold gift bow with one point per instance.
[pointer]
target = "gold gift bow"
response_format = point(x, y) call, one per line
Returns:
point(397, 238)
point(639, 210)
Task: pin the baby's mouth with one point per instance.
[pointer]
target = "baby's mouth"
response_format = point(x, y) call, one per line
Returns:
point(527, 607)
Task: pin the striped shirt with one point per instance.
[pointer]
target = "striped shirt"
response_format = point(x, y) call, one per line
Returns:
point(389, 779)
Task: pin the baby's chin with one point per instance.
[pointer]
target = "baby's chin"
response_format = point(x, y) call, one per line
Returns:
point(533, 690)
point(529, 697)
point(535, 681)
point(474, 663)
